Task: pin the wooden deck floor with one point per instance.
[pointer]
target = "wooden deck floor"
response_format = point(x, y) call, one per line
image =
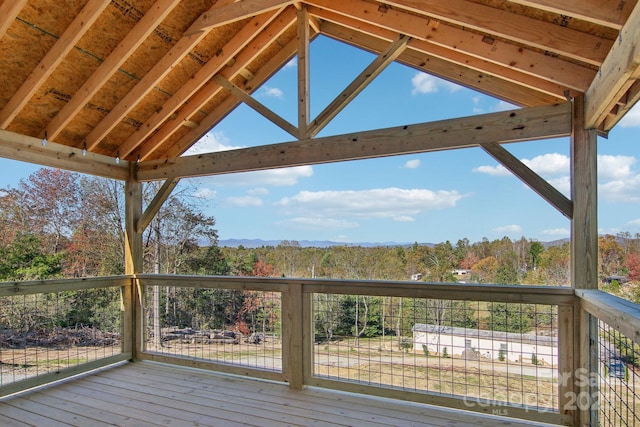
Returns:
point(150, 394)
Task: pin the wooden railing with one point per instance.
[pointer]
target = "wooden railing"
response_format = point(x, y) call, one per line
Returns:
point(574, 367)
point(43, 338)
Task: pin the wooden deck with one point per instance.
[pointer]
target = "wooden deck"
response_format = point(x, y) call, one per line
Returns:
point(151, 394)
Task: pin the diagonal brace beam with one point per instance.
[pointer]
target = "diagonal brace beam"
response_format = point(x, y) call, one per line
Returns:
point(358, 85)
point(157, 202)
point(530, 178)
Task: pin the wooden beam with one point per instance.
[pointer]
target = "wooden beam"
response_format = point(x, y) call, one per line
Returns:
point(501, 127)
point(53, 57)
point(257, 106)
point(528, 61)
point(146, 84)
point(8, 12)
point(161, 196)
point(621, 315)
point(358, 85)
point(631, 97)
point(29, 149)
point(303, 71)
point(225, 107)
point(530, 178)
point(618, 73)
point(155, 143)
point(502, 23)
point(584, 191)
point(234, 12)
point(151, 19)
point(468, 71)
point(601, 12)
point(189, 88)
point(134, 264)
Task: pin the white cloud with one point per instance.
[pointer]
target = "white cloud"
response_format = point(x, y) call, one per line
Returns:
point(243, 201)
point(424, 83)
point(367, 204)
point(205, 193)
point(292, 63)
point(634, 222)
point(273, 177)
point(615, 167)
point(503, 106)
point(412, 164)
point(210, 143)
point(498, 170)
point(621, 190)
point(271, 92)
point(508, 229)
point(549, 164)
point(404, 218)
point(261, 191)
point(632, 118)
point(557, 232)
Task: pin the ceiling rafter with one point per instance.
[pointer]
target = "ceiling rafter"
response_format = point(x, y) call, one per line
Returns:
point(151, 19)
point(358, 85)
point(502, 127)
point(234, 12)
point(222, 110)
point(528, 61)
point(74, 32)
point(618, 73)
point(594, 11)
point(461, 59)
point(146, 84)
point(8, 12)
point(186, 91)
point(184, 115)
point(521, 29)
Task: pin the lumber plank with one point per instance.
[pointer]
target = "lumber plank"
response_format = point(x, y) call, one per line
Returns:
point(8, 12)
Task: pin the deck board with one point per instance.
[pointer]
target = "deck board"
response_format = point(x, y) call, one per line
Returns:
point(152, 394)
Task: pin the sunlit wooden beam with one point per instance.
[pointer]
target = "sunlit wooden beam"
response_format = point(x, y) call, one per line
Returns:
point(303, 71)
point(502, 127)
point(8, 12)
point(158, 200)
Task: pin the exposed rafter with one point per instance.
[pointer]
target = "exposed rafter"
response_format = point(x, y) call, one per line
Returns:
point(595, 11)
point(619, 72)
point(80, 25)
point(8, 12)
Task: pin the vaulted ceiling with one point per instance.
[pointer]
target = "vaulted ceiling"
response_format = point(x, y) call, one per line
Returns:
point(143, 80)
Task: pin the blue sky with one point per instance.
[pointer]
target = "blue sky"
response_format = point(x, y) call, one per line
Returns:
point(430, 197)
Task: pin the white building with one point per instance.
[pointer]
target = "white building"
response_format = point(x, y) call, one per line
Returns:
point(477, 343)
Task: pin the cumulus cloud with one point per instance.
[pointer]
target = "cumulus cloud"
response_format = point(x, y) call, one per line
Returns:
point(404, 218)
point(498, 170)
point(508, 229)
point(503, 106)
point(412, 164)
point(368, 204)
point(271, 92)
point(261, 191)
point(243, 201)
point(615, 167)
point(424, 83)
point(632, 118)
point(549, 164)
point(274, 177)
point(205, 193)
point(621, 190)
point(557, 232)
point(210, 143)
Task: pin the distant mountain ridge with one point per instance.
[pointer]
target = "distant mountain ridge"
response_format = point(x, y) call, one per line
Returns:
point(258, 243)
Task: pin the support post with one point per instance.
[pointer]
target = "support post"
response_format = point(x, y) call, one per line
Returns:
point(303, 71)
point(132, 322)
point(584, 254)
point(292, 336)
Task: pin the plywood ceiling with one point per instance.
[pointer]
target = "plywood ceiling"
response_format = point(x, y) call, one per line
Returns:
point(143, 80)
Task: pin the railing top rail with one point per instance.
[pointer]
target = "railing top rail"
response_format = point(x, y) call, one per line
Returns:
point(473, 292)
point(619, 313)
point(58, 285)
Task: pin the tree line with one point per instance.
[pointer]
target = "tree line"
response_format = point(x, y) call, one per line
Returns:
point(57, 224)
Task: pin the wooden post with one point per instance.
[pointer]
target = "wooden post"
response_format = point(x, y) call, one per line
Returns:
point(132, 322)
point(303, 71)
point(292, 339)
point(584, 251)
